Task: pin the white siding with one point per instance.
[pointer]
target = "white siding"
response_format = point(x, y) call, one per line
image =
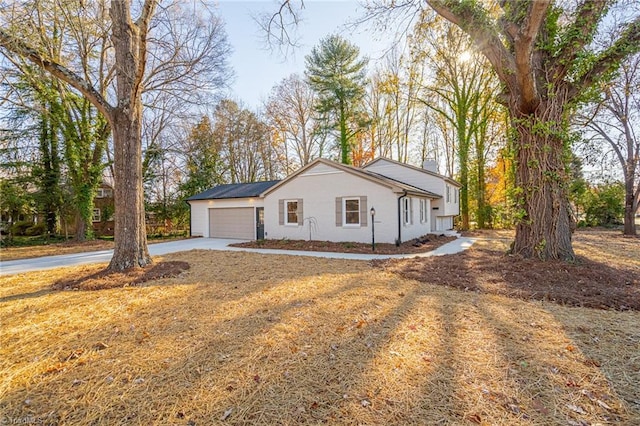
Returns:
point(319, 187)
point(444, 223)
point(425, 181)
point(408, 175)
point(451, 208)
point(200, 211)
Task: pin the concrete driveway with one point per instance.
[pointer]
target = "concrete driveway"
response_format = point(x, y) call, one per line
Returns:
point(104, 256)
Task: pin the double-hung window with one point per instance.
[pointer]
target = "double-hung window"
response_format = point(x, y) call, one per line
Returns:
point(96, 215)
point(351, 211)
point(291, 210)
point(406, 211)
point(424, 214)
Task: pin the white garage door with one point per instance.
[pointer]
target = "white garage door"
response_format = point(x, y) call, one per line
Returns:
point(232, 223)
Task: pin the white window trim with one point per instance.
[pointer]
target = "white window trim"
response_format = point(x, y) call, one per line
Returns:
point(99, 215)
point(100, 193)
point(448, 194)
point(344, 212)
point(286, 213)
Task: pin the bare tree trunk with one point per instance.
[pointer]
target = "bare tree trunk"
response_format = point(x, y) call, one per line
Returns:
point(129, 40)
point(630, 205)
point(130, 231)
point(545, 223)
point(81, 228)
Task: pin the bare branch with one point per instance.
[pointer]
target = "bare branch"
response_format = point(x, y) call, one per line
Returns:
point(609, 61)
point(16, 46)
point(476, 23)
point(277, 27)
point(580, 33)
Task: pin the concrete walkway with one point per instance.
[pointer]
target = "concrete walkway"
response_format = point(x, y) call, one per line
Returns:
point(158, 249)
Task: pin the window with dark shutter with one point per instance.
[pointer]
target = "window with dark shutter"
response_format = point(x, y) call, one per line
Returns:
point(352, 211)
point(291, 215)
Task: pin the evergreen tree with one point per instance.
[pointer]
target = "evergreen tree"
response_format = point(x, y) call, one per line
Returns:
point(337, 75)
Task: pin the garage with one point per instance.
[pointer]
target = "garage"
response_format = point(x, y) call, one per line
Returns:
point(229, 211)
point(232, 223)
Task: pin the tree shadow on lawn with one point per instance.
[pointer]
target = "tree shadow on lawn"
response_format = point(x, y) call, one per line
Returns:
point(31, 295)
point(94, 324)
point(334, 346)
point(88, 278)
point(163, 362)
point(584, 283)
point(580, 360)
point(339, 343)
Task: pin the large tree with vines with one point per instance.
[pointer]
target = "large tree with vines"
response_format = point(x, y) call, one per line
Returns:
point(545, 59)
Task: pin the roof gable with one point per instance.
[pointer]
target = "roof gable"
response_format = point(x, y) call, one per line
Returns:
point(234, 190)
point(325, 166)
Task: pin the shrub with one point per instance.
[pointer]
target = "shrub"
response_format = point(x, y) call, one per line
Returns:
point(604, 204)
point(37, 229)
point(20, 228)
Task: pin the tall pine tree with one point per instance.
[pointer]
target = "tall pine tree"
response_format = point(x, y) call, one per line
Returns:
point(338, 76)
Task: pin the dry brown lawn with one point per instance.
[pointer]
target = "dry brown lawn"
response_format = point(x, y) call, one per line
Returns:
point(605, 274)
point(244, 339)
point(70, 247)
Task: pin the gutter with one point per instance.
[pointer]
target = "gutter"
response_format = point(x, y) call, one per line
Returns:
point(399, 239)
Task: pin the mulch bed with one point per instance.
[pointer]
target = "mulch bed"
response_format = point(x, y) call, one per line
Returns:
point(419, 245)
point(585, 283)
point(105, 279)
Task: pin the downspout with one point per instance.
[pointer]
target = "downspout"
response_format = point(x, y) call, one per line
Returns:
point(399, 239)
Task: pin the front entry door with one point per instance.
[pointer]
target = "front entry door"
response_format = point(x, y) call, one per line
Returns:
point(260, 223)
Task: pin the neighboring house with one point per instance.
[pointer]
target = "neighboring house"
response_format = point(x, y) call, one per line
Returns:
point(330, 201)
point(103, 209)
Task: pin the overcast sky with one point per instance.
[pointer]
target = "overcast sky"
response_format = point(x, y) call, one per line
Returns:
point(257, 70)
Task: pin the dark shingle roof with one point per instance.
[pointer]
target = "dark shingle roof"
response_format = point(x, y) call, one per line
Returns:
point(234, 190)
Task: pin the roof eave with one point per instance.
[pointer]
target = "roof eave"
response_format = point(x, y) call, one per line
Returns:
point(415, 193)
